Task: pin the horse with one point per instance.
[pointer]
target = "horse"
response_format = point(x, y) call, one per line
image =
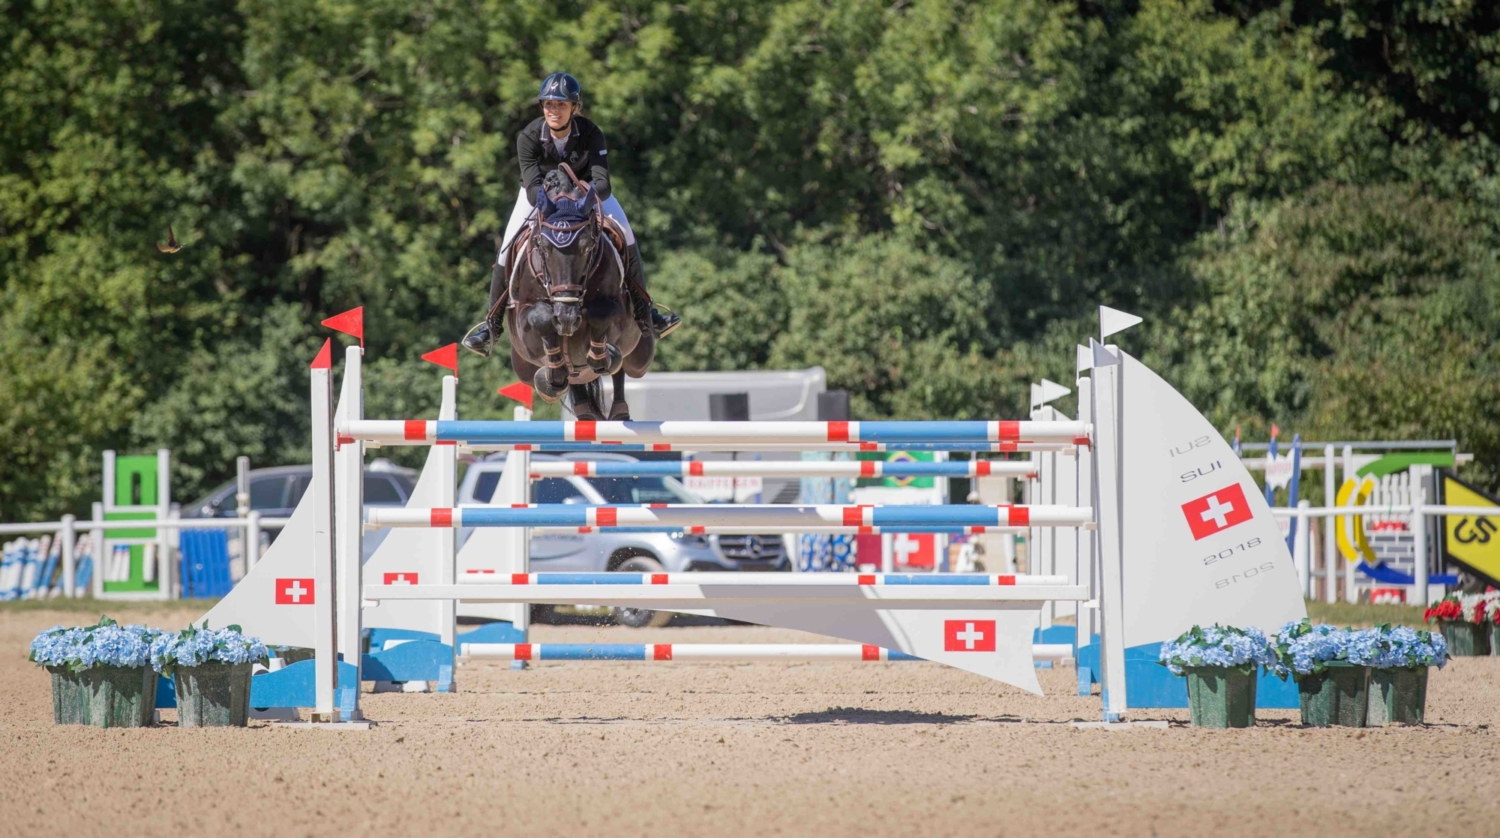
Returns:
point(570, 319)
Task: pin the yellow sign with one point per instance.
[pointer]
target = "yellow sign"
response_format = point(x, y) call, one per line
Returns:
point(1471, 540)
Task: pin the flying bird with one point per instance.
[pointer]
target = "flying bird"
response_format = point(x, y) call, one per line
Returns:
point(170, 245)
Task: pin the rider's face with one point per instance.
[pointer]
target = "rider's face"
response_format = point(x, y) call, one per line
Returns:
point(557, 114)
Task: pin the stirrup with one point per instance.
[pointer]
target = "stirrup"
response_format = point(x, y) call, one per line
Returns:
point(671, 321)
point(488, 347)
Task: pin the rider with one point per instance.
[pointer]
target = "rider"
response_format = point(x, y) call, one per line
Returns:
point(561, 135)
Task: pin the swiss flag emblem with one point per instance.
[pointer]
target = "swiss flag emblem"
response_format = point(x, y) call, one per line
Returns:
point(401, 578)
point(294, 592)
point(1216, 511)
point(915, 550)
point(968, 635)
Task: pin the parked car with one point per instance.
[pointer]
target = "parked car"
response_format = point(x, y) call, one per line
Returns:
point(275, 492)
point(636, 552)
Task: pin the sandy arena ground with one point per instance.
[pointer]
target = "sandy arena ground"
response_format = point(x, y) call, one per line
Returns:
point(740, 749)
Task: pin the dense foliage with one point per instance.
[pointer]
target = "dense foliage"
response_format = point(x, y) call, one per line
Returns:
point(925, 197)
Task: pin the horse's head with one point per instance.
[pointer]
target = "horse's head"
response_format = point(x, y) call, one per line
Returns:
point(567, 252)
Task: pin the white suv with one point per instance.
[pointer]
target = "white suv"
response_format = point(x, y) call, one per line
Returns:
point(635, 552)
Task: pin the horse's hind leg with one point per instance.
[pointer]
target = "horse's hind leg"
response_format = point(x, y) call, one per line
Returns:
point(619, 410)
point(584, 399)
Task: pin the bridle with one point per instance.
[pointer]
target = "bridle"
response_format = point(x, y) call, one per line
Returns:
point(572, 292)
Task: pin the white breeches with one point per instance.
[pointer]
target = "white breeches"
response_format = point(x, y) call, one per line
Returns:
point(523, 211)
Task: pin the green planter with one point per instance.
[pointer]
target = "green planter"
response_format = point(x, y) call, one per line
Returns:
point(213, 694)
point(1337, 697)
point(1221, 696)
point(104, 696)
point(1397, 696)
point(292, 654)
point(1466, 640)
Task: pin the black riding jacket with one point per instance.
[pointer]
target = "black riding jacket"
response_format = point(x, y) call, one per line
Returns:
point(584, 153)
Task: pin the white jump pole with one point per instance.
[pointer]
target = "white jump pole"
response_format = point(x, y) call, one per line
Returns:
point(777, 530)
point(1351, 569)
point(751, 447)
point(1419, 540)
point(1331, 557)
point(1108, 493)
point(1302, 547)
point(698, 515)
point(323, 548)
point(789, 469)
point(349, 495)
point(1086, 543)
point(426, 432)
point(712, 652)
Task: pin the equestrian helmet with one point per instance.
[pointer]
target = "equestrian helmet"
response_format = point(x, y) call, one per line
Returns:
point(559, 87)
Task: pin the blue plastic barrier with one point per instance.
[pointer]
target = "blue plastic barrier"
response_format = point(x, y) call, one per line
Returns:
point(204, 565)
point(1149, 685)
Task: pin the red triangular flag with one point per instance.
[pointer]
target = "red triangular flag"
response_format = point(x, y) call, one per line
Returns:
point(324, 360)
point(447, 357)
point(1275, 431)
point(519, 391)
point(351, 322)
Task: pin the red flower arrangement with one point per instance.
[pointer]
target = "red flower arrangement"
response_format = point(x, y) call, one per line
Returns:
point(1443, 609)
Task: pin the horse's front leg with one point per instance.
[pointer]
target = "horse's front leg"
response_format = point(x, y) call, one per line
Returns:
point(551, 379)
point(604, 357)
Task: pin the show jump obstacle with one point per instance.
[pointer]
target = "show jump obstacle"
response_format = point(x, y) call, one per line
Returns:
point(1191, 542)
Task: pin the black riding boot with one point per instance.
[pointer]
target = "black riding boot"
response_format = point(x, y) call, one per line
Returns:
point(481, 338)
point(646, 315)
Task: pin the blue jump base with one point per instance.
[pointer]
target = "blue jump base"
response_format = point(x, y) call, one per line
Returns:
point(1149, 685)
point(420, 658)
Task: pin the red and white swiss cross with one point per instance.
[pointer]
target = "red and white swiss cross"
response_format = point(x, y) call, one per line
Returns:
point(405, 577)
point(294, 592)
point(968, 635)
point(1216, 511)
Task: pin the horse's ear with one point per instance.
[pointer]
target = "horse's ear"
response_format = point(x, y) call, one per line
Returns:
point(590, 198)
point(544, 204)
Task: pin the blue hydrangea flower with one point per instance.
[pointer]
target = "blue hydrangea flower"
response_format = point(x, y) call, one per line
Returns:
point(105, 644)
point(1217, 646)
point(1404, 648)
point(197, 646)
point(1304, 648)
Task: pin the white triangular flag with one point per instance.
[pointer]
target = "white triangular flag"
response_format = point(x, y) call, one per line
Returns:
point(1112, 321)
point(1085, 358)
point(1048, 391)
point(1102, 356)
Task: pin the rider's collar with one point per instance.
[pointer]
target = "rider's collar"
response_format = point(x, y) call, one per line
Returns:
point(548, 136)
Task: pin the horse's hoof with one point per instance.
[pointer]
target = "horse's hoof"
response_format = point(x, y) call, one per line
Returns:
point(616, 359)
point(619, 411)
point(545, 388)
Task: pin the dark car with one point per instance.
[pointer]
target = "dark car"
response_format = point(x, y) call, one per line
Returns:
point(275, 492)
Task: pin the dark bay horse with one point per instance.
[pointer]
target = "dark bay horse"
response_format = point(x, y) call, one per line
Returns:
point(570, 320)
